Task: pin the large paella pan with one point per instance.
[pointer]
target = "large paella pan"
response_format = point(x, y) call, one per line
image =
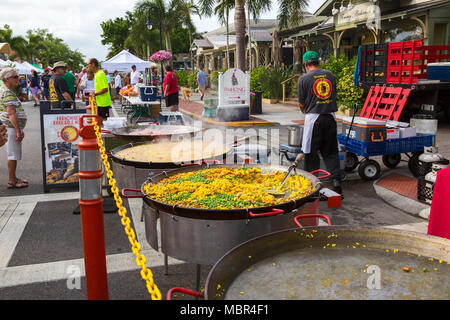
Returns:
point(153, 131)
point(228, 191)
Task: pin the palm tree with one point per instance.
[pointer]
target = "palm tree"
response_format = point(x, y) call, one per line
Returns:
point(239, 27)
point(173, 13)
point(290, 15)
point(17, 43)
point(221, 8)
point(222, 11)
point(291, 12)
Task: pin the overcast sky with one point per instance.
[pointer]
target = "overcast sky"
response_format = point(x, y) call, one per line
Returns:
point(77, 22)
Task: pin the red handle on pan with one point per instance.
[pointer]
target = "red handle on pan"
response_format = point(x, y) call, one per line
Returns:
point(274, 212)
point(327, 174)
point(311, 216)
point(182, 290)
point(130, 189)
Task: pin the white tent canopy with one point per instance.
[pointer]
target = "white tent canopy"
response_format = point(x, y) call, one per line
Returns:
point(26, 64)
point(22, 69)
point(4, 63)
point(123, 61)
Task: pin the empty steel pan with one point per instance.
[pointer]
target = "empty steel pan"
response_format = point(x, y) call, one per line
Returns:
point(334, 263)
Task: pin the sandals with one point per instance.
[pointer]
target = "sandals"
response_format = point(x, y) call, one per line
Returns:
point(18, 184)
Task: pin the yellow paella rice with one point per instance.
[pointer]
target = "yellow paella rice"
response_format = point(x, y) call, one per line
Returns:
point(228, 188)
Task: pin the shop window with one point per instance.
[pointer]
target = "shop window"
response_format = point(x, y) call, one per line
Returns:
point(440, 34)
point(404, 30)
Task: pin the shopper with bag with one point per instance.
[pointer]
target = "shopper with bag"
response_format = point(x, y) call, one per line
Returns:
point(15, 119)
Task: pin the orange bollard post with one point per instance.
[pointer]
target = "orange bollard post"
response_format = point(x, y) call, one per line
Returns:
point(91, 209)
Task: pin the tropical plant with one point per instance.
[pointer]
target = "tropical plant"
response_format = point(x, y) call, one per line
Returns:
point(215, 77)
point(192, 80)
point(343, 69)
point(255, 79)
point(183, 78)
point(268, 81)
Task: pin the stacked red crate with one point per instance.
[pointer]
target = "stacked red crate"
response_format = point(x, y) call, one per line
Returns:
point(404, 61)
point(432, 54)
point(408, 60)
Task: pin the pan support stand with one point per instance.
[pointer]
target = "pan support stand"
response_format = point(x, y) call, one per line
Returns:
point(197, 283)
point(198, 270)
point(166, 265)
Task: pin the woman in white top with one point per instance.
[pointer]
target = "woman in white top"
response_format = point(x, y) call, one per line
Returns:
point(89, 86)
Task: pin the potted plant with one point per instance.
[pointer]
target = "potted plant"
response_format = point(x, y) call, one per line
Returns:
point(161, 56)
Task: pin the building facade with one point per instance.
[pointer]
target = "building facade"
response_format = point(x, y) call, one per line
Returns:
point(337, 27)
point(340, 27)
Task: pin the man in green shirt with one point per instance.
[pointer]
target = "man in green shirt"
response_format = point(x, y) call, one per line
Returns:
point(70, 80)
point(102, 94)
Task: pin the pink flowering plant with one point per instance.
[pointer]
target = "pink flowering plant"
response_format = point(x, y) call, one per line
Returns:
point(161, 55)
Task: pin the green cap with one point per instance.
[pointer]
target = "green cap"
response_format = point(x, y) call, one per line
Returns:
point(310, 55)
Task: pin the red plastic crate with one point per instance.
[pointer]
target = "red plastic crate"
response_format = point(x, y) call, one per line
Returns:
point(385, 103)
point(404, 61)
point(431, 54)
point(373, 63)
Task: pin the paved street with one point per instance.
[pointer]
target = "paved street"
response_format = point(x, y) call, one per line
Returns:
point(41, 237)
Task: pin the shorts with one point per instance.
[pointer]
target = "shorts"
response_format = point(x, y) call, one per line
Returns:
point(103, 112)
point(118, 91)
point(14, 148)
point(46, 92)
point(172, 99)
point(34, 91)
point(202, 87)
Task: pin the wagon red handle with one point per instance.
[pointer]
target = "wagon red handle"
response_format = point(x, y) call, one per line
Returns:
point(132, 190)
point(310, 216)
point(327, 174)
point(274, 212)
point(182, 290)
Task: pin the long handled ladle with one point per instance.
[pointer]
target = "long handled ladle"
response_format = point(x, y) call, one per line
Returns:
point(277, 193)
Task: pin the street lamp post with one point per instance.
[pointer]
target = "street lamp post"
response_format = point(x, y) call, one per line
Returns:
point(150, 26)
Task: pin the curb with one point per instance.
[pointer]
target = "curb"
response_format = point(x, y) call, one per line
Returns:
point(403, 203)
point(230, 123)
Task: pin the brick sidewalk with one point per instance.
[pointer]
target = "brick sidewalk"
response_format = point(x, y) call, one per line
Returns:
point(398, 183)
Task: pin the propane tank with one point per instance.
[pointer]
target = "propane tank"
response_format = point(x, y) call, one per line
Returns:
point(429, 157)
point(431, 176)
